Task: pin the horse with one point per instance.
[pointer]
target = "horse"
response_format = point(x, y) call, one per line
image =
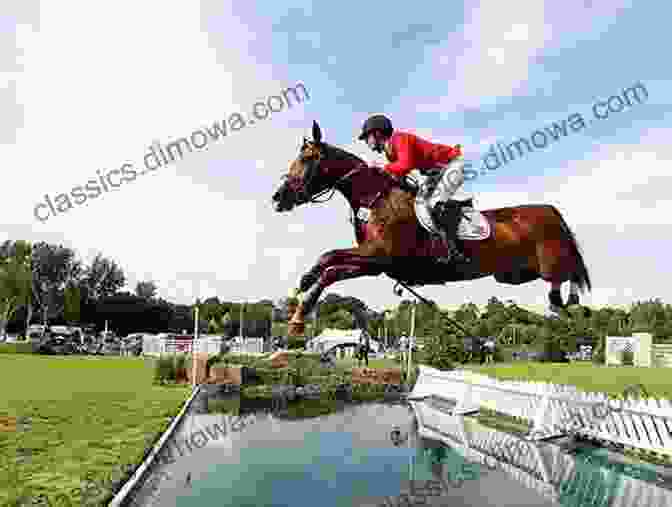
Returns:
point(521, 243)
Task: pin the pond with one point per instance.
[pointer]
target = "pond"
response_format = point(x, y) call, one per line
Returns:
point(336, 453)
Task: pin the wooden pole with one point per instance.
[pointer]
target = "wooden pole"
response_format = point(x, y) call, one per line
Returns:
point(242, 323)
point(193, 349)
point(411, 339)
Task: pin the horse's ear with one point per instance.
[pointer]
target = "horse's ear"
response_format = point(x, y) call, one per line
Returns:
point(317, 133)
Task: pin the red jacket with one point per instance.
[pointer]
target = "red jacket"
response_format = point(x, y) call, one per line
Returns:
point(407, 152)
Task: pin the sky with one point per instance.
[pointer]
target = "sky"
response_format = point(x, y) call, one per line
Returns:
point(85, 89)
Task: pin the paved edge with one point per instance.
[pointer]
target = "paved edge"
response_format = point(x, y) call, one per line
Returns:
point(130, 485)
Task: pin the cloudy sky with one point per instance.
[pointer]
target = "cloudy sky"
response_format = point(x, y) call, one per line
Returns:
point(88, 87)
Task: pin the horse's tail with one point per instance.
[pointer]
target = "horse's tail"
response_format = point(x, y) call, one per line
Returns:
point(581, 276)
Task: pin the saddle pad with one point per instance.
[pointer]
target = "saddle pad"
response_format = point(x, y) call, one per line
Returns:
point(474, 226)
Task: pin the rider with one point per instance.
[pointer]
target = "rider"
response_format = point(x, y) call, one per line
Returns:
point(406, 152)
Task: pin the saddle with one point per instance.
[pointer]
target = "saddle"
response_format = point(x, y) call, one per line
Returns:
point(473, 225)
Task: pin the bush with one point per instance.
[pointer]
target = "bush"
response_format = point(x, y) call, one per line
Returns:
point(164, 369)
point(498, 355)
point(598, 352)
point(554, 352)
point(181, 362)
point(442, 353)
point(243, 360)
point(270, 376)
point(212, 360)
point(296, 342)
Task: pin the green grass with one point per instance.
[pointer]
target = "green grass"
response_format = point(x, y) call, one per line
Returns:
point(25, 347)
point(586, 376)
point(87, 416)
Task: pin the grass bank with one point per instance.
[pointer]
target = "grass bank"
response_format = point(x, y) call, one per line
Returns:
point(86, 416)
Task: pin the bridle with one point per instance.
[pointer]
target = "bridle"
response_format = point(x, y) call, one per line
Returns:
point(311, 172)
point(314, 165)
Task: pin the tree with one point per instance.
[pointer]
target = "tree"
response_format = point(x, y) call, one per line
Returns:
point(146, 290)
point(103, 278)
point(341, 319)
point(15, 279)
point(72, 303)
point(445, 349)
point(53, 267)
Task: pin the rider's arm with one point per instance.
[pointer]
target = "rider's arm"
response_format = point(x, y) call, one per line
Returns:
point(442, 154)
point(403, 148)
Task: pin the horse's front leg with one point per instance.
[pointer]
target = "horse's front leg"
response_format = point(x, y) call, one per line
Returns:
point(353, 266)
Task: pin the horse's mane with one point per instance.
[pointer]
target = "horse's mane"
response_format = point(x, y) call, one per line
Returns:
point(340, 154)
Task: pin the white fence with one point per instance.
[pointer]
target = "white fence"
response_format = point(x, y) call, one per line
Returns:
point(157, 345)
point(555, 410)
point(211, 345)
point(248, 346)
point(555, 474)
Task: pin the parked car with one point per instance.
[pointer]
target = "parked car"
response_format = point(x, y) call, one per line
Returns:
point(111, 347)
point(56, 345)
point(94, 348)
point(133, 344)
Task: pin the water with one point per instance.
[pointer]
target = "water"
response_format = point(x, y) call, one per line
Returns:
point(324, 454)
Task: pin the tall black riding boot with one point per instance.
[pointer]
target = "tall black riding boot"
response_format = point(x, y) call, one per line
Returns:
point(448, 216)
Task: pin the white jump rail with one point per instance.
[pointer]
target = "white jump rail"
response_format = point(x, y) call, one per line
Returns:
point(552, 472)
point(555, 410)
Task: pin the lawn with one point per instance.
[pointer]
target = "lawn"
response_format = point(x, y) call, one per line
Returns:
point(86, 416)
point(586, 376)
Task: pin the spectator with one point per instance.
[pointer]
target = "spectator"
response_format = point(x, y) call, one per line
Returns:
point(489, 350)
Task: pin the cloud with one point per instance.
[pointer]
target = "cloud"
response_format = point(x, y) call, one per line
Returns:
point(287, 258)
point(491, 57)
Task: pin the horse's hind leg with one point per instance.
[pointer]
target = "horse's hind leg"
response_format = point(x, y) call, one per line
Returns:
point(555, 267)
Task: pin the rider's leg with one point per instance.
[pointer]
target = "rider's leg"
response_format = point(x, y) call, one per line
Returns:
point(449, 216)
point(447, 211)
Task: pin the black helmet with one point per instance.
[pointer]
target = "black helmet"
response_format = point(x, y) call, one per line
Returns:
point(376, 122)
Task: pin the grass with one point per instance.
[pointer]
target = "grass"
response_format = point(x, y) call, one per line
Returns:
point(87, 416)
point(585, 376)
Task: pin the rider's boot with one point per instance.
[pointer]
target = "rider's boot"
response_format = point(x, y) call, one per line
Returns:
point(448, 216)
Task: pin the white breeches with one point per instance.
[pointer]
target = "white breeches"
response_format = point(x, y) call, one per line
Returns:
point(450, 179)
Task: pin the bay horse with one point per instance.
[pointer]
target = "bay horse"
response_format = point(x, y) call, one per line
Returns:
point(524, 243)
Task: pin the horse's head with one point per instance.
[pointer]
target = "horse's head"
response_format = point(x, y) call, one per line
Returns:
point(319, 167)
